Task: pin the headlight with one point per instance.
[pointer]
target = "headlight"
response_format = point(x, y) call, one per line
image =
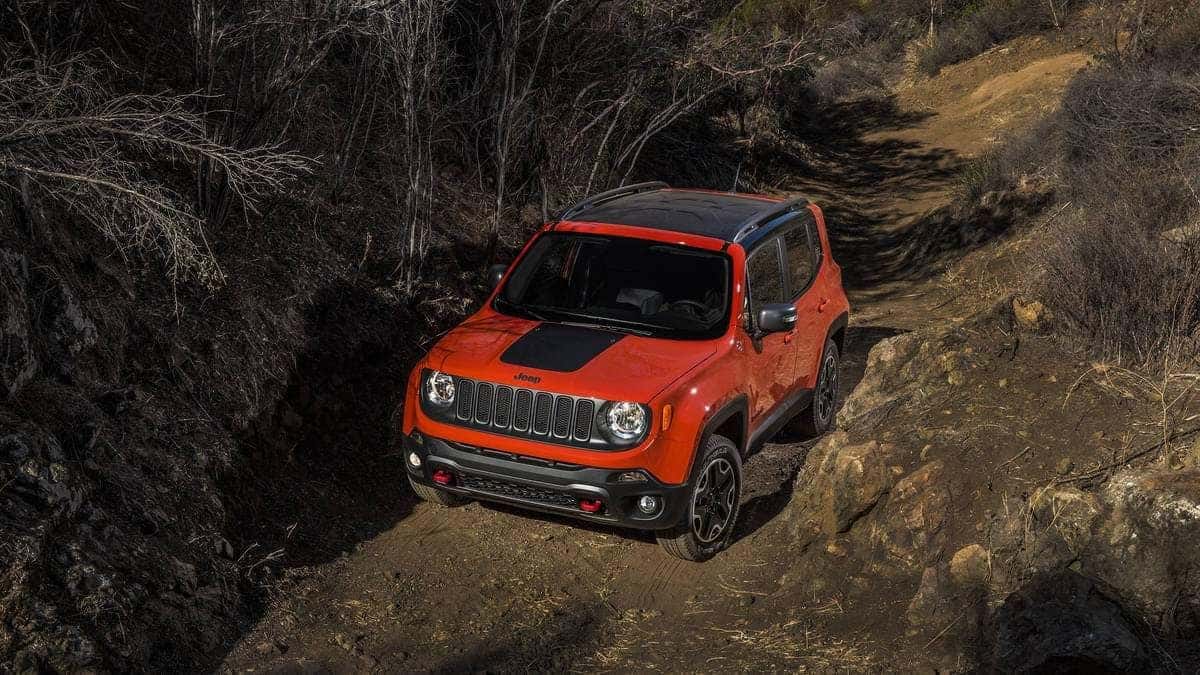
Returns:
point(439, 389)
point(625, 420)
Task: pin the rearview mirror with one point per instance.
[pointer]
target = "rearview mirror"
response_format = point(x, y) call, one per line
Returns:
point(777, 318)
point(496, 274)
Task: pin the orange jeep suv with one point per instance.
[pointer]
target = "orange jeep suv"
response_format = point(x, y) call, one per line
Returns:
point(629, 359)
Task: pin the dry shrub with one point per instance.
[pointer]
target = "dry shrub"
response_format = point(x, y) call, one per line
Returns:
point(976, 26)
point(1123, 292)
point(66, 139)
point(1124, 272)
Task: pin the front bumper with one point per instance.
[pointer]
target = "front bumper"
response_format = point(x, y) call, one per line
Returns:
point(544, 485)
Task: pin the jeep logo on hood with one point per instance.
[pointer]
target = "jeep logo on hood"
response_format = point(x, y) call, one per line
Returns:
point(531, 379)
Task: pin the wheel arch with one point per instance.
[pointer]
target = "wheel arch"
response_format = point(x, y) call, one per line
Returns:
point(731, 420)
point(837, 331)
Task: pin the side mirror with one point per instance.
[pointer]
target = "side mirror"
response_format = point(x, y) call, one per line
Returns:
point(776, 318)
point(496, 274)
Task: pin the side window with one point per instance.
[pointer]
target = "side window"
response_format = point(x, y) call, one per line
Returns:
point(765, 269)
point(801, 257)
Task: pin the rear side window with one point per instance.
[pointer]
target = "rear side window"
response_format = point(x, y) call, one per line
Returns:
point(766, 276)
point(801, 257)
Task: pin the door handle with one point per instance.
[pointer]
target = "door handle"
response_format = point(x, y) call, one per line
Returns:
point(821, 306)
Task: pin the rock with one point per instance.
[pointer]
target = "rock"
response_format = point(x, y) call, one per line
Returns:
point(746, 600)
point(1183, 234)
point(911, 527)
point(265, 649)
point(1069, 512)
point(344, 641)
point(837, 549)
point(1060, 623)
point(846, 483)
point(1191, 458)
point(884, 363)
point(930, 601)
point(1064, 466)
point(14, 449)
point(955, 378)
point(1029, 315)
point(1147, 546)
point(971, 565)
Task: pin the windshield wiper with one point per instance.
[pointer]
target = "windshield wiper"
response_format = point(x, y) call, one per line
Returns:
point(513, 307)
point(622, 329)
point(608, 321)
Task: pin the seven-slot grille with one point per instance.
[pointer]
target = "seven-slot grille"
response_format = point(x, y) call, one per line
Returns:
point(524, 412)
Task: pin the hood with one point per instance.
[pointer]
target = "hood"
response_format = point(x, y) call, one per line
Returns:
point(566, 359)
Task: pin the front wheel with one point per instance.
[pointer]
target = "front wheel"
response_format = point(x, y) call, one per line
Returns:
point(818, 417)
point(713, 504)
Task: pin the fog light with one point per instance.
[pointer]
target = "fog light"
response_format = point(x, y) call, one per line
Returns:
point(414, 460)
point(648, 505)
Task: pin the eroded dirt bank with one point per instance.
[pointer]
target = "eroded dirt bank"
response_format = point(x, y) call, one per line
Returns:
point(941, 527)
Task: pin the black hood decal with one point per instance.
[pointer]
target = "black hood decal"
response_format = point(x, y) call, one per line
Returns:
point(560, 348)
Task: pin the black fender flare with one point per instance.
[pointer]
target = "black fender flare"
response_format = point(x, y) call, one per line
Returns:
point(838, 324)
point(738, 404)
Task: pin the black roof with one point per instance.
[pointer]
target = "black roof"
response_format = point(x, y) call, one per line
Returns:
point(709, 214)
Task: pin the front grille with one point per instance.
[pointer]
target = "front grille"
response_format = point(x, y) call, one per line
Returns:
point(585, 413)
point(541, 413)
point(562, 416)
point(522, 410)
point(517, 411)
point(483, 403)
point(503, 488)
point(466, 399)
point(504, 400)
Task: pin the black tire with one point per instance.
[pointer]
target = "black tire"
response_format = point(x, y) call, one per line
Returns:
point(819, 416)
point(436, 496)
point(700, 537)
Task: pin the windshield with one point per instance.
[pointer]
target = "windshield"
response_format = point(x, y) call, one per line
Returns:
point(633, 285)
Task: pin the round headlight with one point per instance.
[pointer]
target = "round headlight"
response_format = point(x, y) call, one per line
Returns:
point(625, 420)
point(439, 389)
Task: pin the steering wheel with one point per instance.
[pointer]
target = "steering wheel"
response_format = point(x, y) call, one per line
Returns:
point(693, 307)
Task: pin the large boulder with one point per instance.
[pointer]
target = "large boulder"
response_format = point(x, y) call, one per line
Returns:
point(1148, 546)
point(845, 483)
point(1139, 536)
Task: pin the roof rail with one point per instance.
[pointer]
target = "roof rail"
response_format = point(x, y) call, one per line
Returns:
point(766, 215)
point(610, 195)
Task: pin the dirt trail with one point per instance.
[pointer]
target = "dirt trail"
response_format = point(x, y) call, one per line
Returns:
point(486, 587)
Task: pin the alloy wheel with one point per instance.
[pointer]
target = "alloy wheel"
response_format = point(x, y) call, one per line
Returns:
point(827, 388)
point(714, 500)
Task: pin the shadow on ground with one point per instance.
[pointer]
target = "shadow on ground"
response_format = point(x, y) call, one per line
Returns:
point(318, 474)
point(886, 199)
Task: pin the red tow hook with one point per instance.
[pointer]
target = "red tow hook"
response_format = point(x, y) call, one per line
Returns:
point(442, 477)
point(591, 505)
